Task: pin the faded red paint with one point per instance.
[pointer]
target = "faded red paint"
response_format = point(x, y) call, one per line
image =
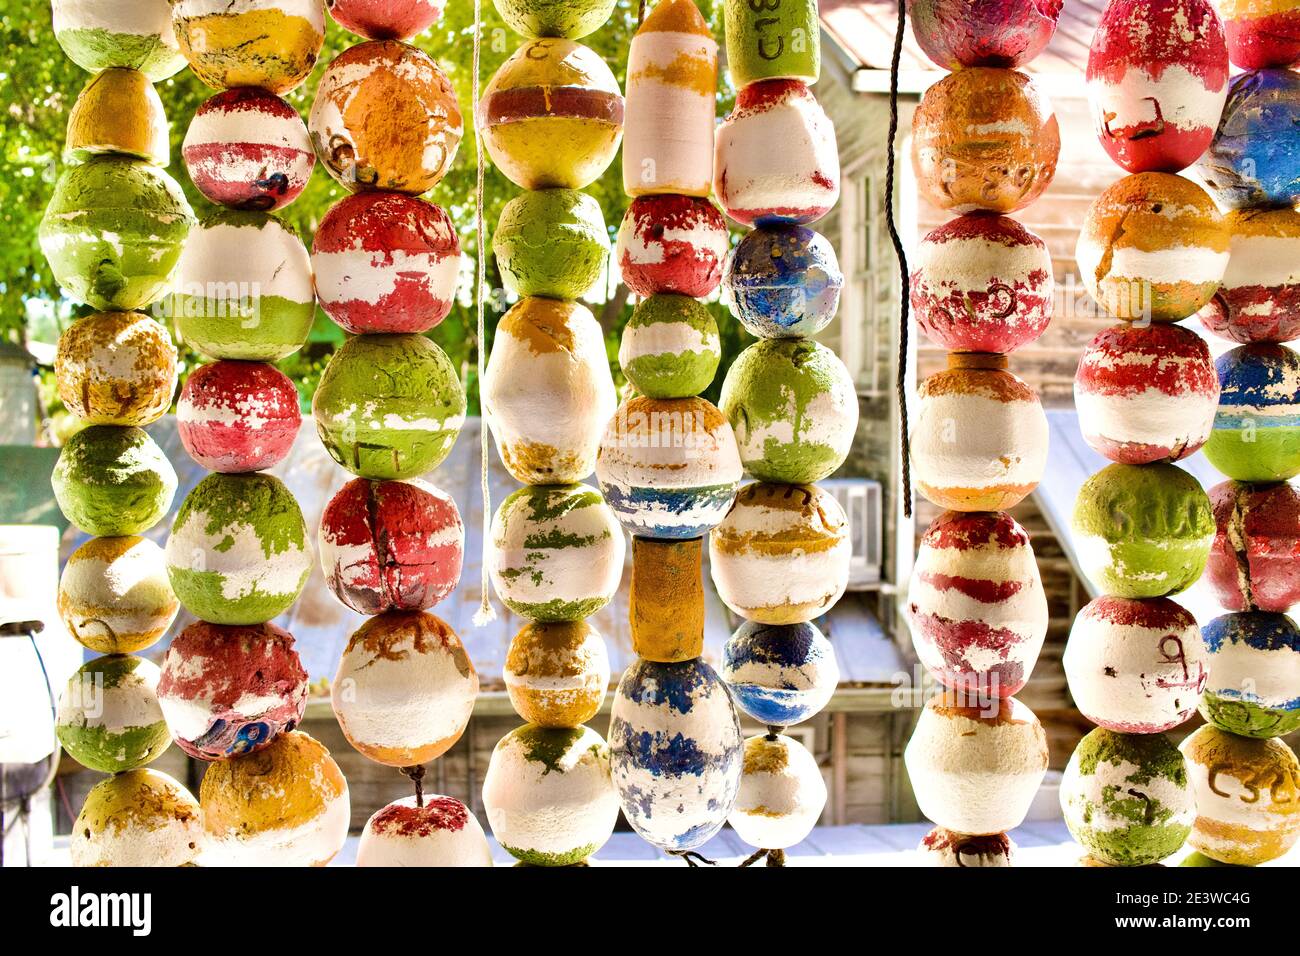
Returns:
point(439, 814)
point(980, 589)
point(236, 417)
point(404, 236)
point(1262, 570)
point(1003, 33)
point(1256, 313)
point(248, 175)
point(1153, 36)
point(956, 639)
point(565, 102)
point(1256, 43)
point(1131, 361)
point(235, 658)
point(377, 546)
point(768, 93)
point(223, 665)
point(1171, 359)
point(990, 650)
point(1010, 311)
point(964, 530)
point(690, 267)
point(1157, 614)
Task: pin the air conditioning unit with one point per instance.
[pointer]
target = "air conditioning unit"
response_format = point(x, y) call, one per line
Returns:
point(863, 501)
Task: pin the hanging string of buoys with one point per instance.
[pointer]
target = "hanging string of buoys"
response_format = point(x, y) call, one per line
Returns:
point(386, 125)
point(984, 144)
point(1153, 251)
point(112, 234)
point(668, 463)
point(1252, 695)
point(552, 119)
point(233, 688)
point(780, 558)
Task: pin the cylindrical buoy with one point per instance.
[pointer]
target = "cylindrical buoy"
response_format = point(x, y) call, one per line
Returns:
point(772, 40)
point(666, 606)
point(672, 76)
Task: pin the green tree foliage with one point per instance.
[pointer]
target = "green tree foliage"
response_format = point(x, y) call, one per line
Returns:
point(38, 85)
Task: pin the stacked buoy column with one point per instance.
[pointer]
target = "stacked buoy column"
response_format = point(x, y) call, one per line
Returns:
point(1252, 696)
point(233, 689)
point(985, 144)
point(386, 125)
point(112, 234)
point(552, 119)
point(1151, 252)
point(780, 558)
point(668, 463)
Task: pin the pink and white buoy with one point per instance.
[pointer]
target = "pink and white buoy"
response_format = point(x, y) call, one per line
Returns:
point(1146, 393)
point(386, 262)
point(235, 417)
point(982, 283)
point(1158, 78)
point(248, 149)
point(776, 158)
point(976, 605)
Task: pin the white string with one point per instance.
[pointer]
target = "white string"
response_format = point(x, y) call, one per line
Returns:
point(485, 613)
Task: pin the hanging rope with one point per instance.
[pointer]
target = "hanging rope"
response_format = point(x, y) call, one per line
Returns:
point(774, 858)
point(904, 317)
point(416, 773)
point(691, 858)
point(485, 614)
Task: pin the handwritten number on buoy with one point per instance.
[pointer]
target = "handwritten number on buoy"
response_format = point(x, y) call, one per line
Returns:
point(769, 47)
